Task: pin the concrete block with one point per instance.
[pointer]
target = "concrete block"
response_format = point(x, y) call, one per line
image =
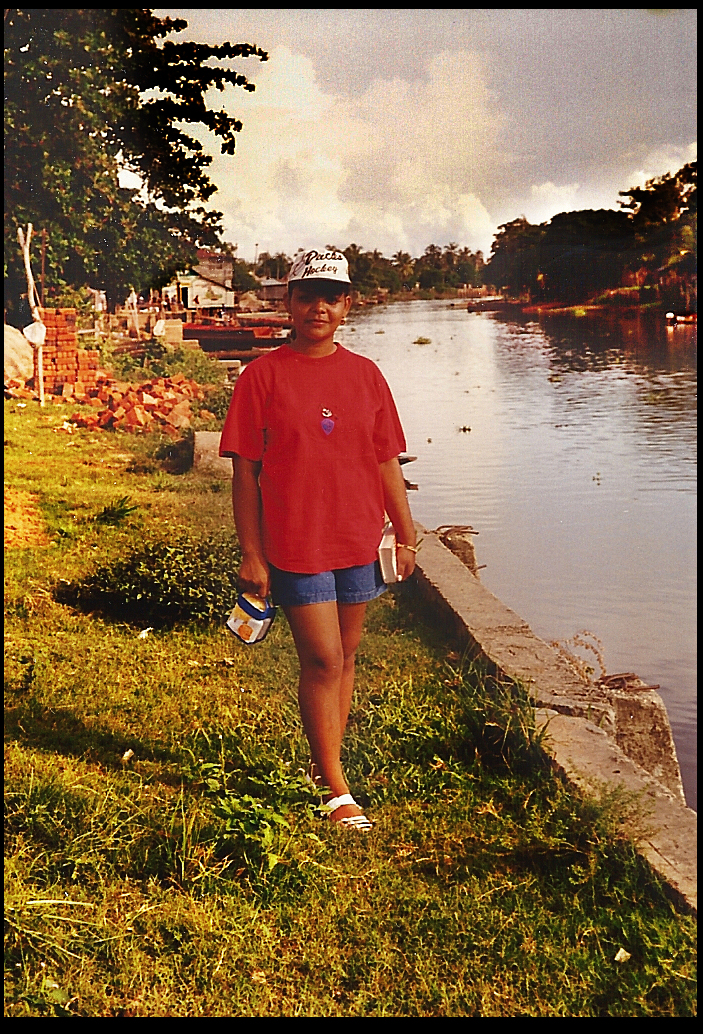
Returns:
point(173, 332)
point(206, 457)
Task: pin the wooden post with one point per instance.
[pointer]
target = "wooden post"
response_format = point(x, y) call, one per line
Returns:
point(36, 340)
point(133, 315)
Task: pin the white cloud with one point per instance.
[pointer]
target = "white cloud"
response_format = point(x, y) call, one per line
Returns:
point(400, 128)
point(428, 150)
point(660, 161)
point(400, 167)
point(546, 199)
point(399, 164)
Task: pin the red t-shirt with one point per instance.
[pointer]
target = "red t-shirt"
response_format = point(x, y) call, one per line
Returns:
point(320, 428)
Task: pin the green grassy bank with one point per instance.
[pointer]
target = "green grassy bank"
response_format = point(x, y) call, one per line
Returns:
point(164, 856)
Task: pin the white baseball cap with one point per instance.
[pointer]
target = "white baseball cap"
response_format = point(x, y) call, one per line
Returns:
point(320, 265)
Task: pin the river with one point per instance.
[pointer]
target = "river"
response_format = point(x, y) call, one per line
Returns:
point(569, 444)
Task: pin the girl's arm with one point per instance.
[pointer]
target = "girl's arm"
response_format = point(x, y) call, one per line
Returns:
point(254, 574)
point(397, 508)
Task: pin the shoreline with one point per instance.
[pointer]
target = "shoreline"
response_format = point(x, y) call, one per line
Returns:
point(616, 733)
point(496, 303)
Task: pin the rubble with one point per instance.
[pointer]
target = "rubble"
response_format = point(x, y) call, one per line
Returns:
point(72, 374)
point(164, 403)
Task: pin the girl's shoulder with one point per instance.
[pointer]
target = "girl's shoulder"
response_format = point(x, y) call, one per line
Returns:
point(360, 362)
point(261, 368)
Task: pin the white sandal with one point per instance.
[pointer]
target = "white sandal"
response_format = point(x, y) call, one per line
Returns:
point(352, 821)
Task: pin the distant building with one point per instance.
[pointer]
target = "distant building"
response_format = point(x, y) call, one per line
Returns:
point(196, 292)
point(209, 284)
point(215, 267)
point(271, 290)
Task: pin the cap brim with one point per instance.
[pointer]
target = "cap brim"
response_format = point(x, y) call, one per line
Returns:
point(318, 277)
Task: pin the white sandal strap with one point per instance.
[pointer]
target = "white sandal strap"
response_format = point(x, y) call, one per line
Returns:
point(357, 822)
point(339, 802)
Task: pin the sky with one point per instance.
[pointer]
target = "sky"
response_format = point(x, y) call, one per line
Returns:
point(397, 129)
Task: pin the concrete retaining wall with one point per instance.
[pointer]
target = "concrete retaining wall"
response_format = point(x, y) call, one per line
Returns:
point(617, 733)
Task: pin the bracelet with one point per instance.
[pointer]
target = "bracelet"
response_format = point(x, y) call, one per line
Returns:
point(404, 545)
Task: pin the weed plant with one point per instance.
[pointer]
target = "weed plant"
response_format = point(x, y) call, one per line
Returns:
point(165, 856)
point(116, 512)
point(159, 359)
point(161, 583)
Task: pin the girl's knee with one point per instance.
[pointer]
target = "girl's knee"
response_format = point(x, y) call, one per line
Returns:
point(327, 662)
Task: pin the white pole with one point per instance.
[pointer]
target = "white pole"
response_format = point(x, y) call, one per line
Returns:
point(34, 305)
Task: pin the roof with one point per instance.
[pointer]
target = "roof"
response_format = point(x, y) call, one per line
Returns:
point(217, 256)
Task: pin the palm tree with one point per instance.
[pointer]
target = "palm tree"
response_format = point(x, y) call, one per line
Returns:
point(433, 256)
point(353, 253)
point(405, 265)
point(450, 254)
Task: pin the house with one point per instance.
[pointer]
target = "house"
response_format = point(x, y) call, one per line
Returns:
point(199, 292)
point(214, 267)
point(271, 290)
point(208, 285)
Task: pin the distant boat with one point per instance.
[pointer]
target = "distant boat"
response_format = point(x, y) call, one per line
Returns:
point(239, 336)
point(492, 303)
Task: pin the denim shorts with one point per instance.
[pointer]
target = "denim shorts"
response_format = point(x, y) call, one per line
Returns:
point(345, 585)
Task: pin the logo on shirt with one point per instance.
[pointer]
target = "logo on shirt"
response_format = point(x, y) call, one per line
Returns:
point(327, 422)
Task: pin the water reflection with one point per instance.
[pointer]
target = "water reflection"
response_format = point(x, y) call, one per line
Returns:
point(570, 444)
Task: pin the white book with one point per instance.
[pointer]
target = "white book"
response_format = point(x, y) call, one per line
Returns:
point(386, 555)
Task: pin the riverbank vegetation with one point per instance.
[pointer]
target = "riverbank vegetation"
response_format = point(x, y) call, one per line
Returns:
point(164, 855)
point(649, 246)
point(645, 253)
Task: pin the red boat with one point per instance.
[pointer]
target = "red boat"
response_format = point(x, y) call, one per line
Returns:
point(241, 336)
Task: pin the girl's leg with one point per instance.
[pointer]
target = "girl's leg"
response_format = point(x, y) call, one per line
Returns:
point(351, 623)
point(326, 637)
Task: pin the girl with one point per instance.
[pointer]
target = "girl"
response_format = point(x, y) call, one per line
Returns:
point(315, 437)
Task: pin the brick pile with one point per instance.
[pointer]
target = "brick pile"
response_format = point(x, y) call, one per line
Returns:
point(164, 403)
point(68, 370)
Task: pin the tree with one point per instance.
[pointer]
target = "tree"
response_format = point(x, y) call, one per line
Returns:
point(353, 253)
point(242, 280)
point(273, 266)
point(577, 255)
point(90, 92)
point(582, 253)
point(514, 262)
point(664, 218)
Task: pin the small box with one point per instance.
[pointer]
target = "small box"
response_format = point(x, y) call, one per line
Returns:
point(387, 555)
point(251, 618)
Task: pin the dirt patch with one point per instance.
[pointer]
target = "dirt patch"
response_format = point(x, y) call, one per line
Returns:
point(24, 526)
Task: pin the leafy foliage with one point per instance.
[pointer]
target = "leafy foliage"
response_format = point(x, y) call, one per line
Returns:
point(578, 255)
point(156, 358)
point(162, 583)
point(437, 268)
point(263, 809)
point(90, 92)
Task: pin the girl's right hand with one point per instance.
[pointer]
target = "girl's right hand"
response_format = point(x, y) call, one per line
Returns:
point(255, 575)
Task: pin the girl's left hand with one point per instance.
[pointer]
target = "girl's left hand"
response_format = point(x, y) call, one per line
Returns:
point(405, 562)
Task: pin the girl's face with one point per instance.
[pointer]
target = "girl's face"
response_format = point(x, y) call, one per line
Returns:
point(317, 308)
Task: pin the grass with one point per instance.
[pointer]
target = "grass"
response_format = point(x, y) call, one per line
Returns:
point(164, 857)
